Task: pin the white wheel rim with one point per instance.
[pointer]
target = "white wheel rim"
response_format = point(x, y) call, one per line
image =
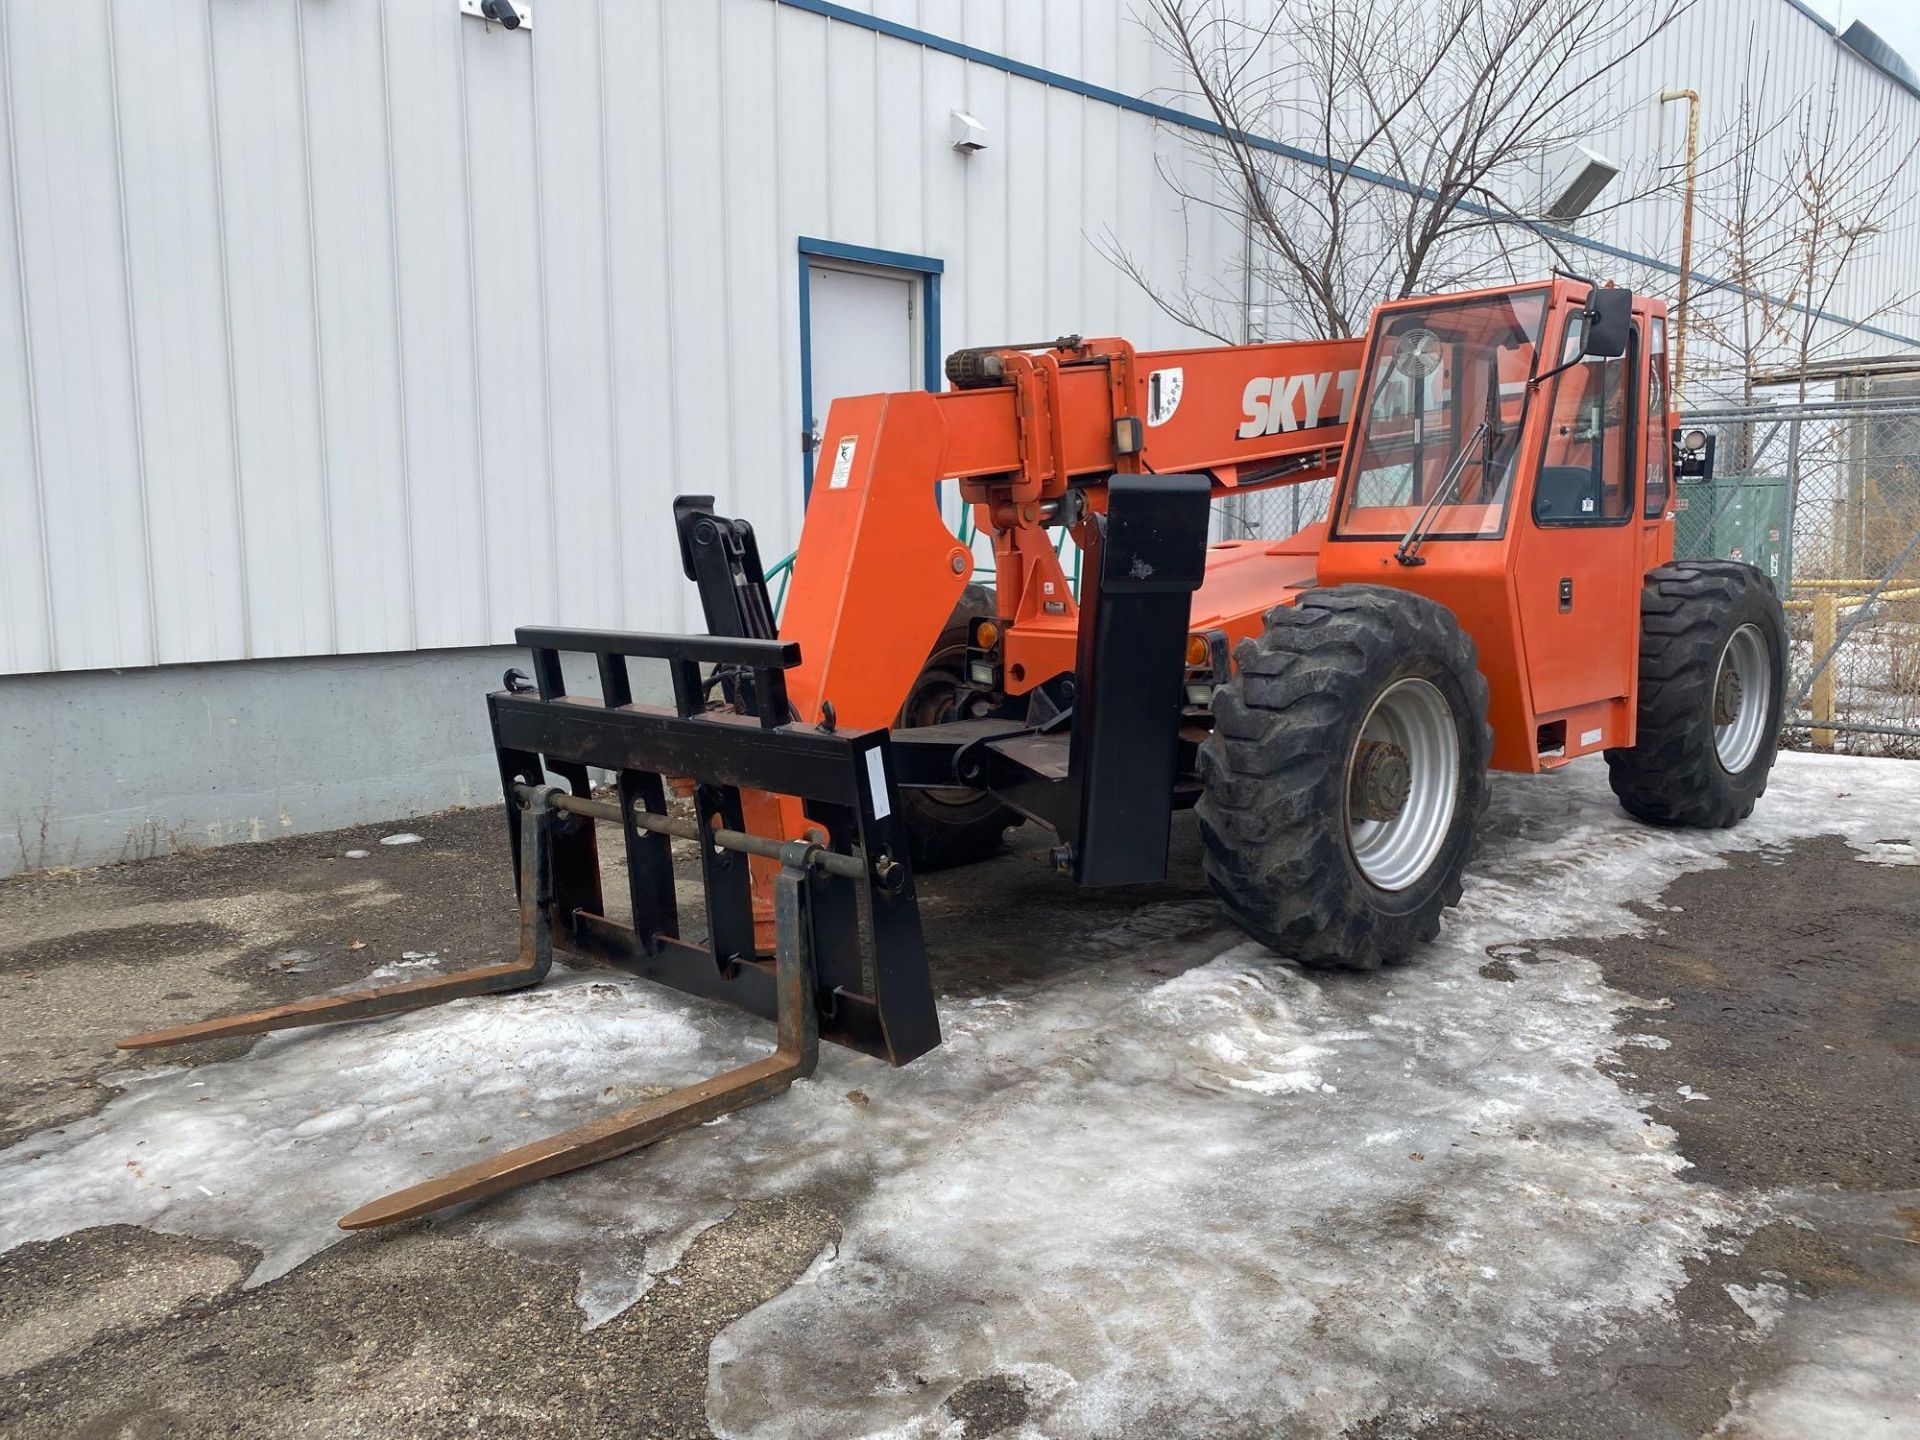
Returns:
point(1414, 717)
point(1740, 710)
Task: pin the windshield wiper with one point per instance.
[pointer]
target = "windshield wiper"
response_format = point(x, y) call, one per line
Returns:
point(1408, 551)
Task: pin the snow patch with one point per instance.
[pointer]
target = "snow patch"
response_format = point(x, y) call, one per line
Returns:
point(1511, 1203)
point(1249, 1028)
point(1763, 1304)
point(409, 838)
point(272, 1149)
point(1853, 1370)
point(1242, 1190)
point(1891, 852)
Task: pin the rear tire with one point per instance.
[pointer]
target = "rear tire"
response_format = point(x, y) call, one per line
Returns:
point(1303, 843)
point(1713, 680)
point(950, 827)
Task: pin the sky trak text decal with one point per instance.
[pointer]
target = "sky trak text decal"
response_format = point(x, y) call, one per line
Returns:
point(1296, 402)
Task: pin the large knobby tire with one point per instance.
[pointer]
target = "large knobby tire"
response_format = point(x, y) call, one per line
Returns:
point(1713, 679)
point(949, 827)
point(1303, 843)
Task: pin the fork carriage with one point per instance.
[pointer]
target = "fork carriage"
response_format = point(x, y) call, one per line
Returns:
point(848, 962)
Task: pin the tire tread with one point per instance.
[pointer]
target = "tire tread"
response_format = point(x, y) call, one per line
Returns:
point(1672, 774)
point(1273, 816)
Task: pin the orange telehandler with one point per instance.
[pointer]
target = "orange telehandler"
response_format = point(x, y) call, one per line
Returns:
point(1492, 587)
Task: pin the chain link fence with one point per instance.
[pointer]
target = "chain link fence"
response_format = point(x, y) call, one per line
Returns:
point(1274, 514)
point(1824, 498)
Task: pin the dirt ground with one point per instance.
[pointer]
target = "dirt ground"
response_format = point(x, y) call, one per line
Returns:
point(1779, 1042)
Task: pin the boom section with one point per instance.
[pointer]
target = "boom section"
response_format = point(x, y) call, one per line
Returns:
point(1027, 423)
point(1031, 435)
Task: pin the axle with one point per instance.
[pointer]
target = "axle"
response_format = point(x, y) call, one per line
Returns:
point(817, 857)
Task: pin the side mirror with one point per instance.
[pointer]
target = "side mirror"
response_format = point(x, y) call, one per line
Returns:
point(1693, 456)
point(1609, 323)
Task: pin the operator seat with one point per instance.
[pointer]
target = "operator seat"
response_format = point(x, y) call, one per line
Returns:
point(1567, 492)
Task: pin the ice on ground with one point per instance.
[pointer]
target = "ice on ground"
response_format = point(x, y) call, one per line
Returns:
point(1853, 1370)
point(1892, 852)
point(1194, 1252)
point(1154, 1203)
point(271, 1150)
point(1842, 1362)
point(408, 838)
point(1763, 1304)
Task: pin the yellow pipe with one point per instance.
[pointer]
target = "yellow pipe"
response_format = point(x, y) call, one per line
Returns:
point(1692, 97)
point(1826, 607)
point(1826, 611)
point(1848, 602)
point(1863, 587)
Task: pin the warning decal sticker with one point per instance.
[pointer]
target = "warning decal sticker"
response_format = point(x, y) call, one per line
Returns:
point(877, 784)
point(843, 463)
point(1163, 394)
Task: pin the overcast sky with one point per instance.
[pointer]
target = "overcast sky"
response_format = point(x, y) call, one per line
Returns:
point(1895, 21)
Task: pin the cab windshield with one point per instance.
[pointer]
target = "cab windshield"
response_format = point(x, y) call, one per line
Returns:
point(1440, 418)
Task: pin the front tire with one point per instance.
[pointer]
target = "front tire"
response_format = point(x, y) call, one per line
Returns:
point(950, 827)
point(1345, 776)
point(1713, 680)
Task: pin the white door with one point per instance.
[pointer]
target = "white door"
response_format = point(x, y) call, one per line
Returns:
point(864, 336)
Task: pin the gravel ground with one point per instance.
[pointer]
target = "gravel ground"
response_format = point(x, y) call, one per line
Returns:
point(1746, 1037)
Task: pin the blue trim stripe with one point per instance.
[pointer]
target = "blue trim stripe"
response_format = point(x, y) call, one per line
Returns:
point(1168, 115)
point(807, 457)
point(867, 255)
point(1813, 15)
point(928, 267)
point(932, 366)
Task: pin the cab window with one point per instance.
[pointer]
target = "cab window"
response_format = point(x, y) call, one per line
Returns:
point(1440, 419)
point(1585, 476)
point(1659, 436)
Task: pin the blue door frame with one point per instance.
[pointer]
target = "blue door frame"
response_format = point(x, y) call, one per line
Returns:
point(927, 267)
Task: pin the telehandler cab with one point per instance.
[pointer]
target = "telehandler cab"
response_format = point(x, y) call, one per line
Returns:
point(1492, 587)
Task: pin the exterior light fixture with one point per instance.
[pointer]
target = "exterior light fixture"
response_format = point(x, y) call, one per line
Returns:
point(968, 134)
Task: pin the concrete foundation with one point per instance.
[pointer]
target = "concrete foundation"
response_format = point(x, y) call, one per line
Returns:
point(105, 765)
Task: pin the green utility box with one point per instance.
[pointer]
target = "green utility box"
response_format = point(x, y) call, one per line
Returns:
point(1754, 524)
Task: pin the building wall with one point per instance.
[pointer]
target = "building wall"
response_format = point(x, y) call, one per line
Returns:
point(335, 328)
point(345, 326)
point(121, 765)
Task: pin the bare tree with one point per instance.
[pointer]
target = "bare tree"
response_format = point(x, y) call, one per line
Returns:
point(1811, 184)
point(1432, 120)
point(1806, 191)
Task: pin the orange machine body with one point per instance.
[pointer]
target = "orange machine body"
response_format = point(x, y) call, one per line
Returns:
point(878, 573)
point(1551, 599)
point(1505, 453)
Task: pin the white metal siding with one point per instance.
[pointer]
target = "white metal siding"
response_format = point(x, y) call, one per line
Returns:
point(334, 326)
